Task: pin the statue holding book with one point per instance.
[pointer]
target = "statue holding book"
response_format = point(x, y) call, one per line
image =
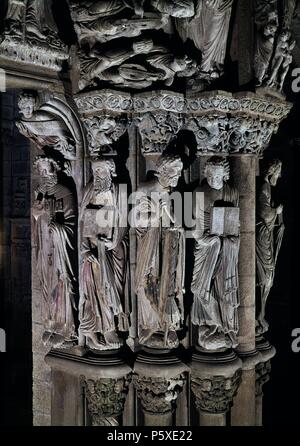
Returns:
point(215, 276)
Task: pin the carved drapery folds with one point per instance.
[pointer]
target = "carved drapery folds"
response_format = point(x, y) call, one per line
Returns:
point(121, 41)
point(215, 278)
point(105, 399)
point(31, 35)
point(274, 42)
point(269, 235)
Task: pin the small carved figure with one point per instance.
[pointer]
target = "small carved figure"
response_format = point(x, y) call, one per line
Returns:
point(160, 259)
point(175, 8)
point(215, 278)
point(104, 255)
point(265, 46)
point(269, 235)
point(45, 128)
point(54, 213)
point(281, 60)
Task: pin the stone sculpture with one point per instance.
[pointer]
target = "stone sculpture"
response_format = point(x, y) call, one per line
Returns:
point(54, 216)
point(215, 277)
point(269, 235)
point(104, 255)
point(160, 259)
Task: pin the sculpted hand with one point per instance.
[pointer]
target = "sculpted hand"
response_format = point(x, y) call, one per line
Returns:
point(279, 209)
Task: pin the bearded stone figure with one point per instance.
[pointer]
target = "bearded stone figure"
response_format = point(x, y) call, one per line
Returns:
point(104, 255)
point(54, 213)
point(269, 235)
point(215, 277)
point(160, 259)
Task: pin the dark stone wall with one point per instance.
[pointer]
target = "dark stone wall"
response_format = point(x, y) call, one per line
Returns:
point(15, 268)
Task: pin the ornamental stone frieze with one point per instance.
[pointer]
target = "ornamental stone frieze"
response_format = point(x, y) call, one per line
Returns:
point(30, 36)
point(105, 117)
point(233, 123)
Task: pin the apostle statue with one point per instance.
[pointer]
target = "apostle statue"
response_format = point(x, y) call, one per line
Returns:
point(55, 232)
point(215, 276)
point(104, 305)
point(269, 234)
point(160, 258)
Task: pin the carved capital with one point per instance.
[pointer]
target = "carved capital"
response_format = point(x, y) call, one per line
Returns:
point(234, 123)
point(215, 394)
point(158, 117)
point(158, 395)
point(262, 371)
point(105, 398)
point(105, 118)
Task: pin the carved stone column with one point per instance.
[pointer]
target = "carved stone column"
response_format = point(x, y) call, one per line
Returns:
point(263, 370)
point(215, 379)
point(158, 381)
point(88, 390)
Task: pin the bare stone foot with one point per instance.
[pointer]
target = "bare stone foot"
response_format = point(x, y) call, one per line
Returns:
point(53, 340)
point(145, 336)
point(172, 340)
point(112, 340)
point(93, 342)
point(262, 326)
point(212, 340)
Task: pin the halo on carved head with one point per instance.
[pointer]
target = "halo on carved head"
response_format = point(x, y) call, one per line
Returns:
point(168, 161)
point(218, 161)
point(107, 162)
point(274, 166)
point(40, 159)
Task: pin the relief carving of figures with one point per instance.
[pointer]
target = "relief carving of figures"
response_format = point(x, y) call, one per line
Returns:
point(47, 126)
point(215, 277)
point(160, 259)
point(208, 30)
point(103, 27)
point(103, 131)
point(104, 304)
point(159, 64)
point(274, 43)
point(54, 213)
point(269, 235)
point(31, 34)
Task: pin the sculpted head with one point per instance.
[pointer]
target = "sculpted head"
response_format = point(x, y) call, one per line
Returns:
point(104, 169)
point(168, 170)
point(217, 171)
point(47, 168)
point(27, 104)
point(274, 172)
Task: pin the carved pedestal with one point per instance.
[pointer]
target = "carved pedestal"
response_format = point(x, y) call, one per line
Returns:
point(98, 385)
point(215, 379)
